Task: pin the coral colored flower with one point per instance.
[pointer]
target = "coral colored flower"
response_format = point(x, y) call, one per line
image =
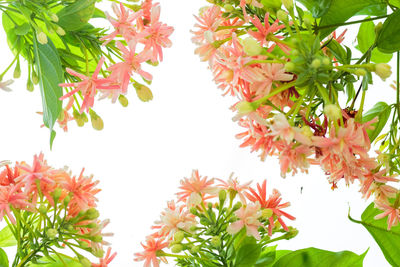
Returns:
point(208, 21)
point(38, 171)
point(8, 175)
point(252, 2)
point(196, 185)
point(294, 157)
point(146, 7)
point(88, 86)
point(11, 196)
point(123, 25)
point(273, 203)
point(173, 219)
point(265, 30)
point(272, 72)
point(370, 178)
point(123, 71)
point(233, 185)
point(248, 217)
point(83, 191)
point(149, 255)
point(155, 35)
point(63, 122)
point(4, 85)
point(106, 259)
point(389, 211)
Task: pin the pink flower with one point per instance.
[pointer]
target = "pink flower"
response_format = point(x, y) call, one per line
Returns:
point(233, 186)
point(11, 196)
point(243, 6)
point(196, 186)
point(106, 259)
point(7, 176)
point(123, 25)
point(265, 30)
point(370, 178)
point(248, 217)
point(155, 35)
point(83, 191)
point(88, 86)
point(294, 157)
point(208, 21)
point(173, 219)
point(123, 71)
point(149, 255)
point(273, 203)
point(389, 211)
point(272, 72)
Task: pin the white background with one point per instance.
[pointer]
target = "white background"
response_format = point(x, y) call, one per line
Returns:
point(145, 149)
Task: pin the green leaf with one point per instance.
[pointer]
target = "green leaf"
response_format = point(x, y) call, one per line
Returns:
point(389, 37)
point(267, 257)
point(99, 14)
point(75, 16)
point(313, 257)
point(366, 38)
point(341, 10)
point(380, 110)
point(318, 8)
point(338, 51)
point(247, 255)
point(395, 3)
point(7, 238)
point(387, 240)
point(50, 75)
point(22, 29)
point(64, 261)
point(3, 258)
point(374, 10)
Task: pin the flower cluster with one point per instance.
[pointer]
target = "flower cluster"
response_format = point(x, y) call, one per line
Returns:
point(212, 217)
point(49, 210)
point(289, 84)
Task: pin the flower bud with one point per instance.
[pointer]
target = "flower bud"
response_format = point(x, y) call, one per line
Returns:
point(291, 233)
point(215, 241)
point(92, 214)
point(42, 209)
point(383, 70)
point(123, 101)
point(42, 38)
point(237, 206)
point(290, 67)
point(193, 228)
point(17, 71)
point(176, 248)
point(266, 213)
point(51, 233)
point(97, 122)
point(333, 112)
point(84, 261)
point(326, 61)
point(143, 92)
point(222, 196)
point(282, 16)
point(288, 4)
point(229, 8)
point(193, 211)
point(316, 63)
point(378, 28)
point(178, 236)
point(35, 78)
point(83, 244)
point(251, 46)
point(57, 194)
point(245, 107)
point(54, 17)
point(97, 238)
point(60, 31)
point(195, 249)
point(29, 85)
point(360, 72)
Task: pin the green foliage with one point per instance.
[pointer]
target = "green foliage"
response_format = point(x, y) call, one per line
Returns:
point(318, 8)
point(389, 38)
point(381, 111)
point(388, 240)
point(247, 255)
point(59, 260)
point(50, 75)
point(313, 257)
point(7, 238)
point(3, 258)
point(74, 17)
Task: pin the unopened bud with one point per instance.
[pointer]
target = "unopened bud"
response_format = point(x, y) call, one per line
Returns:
point(333, 112)
point(193, 211)
point(282, 16)
point(251, 46)
point(85, 262)
point(383, 70)
point(52, 233)
point(144, 93)
point(42, 38)
point(60, 31)
point(92, 214)
point(245, 107)
point(29, 85)
point(35, 78)
point(123, 100)
point(378, 28)
point(222, 196)
point(96, 120)
point(291, 233)
point(229, 8)
point(290, 67)
point(316, 63)
point(326, 61)
point(54, 17)
point(57, 193)
point(97, 238)
point(178, 236)
point(237, 206)
point(42, 209)
point(17, 71)
point(360, 72)
point(195, 249)
point(177, 248)
point(288, 4)
point(215, 241)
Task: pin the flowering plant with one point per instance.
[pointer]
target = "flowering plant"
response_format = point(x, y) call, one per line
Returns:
point(73, 60)
point(49, 211)
point(225, 223)
point(303, 95)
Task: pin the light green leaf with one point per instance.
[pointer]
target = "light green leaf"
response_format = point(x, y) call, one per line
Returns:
point(22, 29)
point(3, 258)
point(247, 255)
point(313, 257)
point(7, 238)
point(380, 110)
point(389, 37)
point(75, 16)
point(388, 240)
point(50, 75)
point(341, 10)
point(63, 262)
point(318, 8)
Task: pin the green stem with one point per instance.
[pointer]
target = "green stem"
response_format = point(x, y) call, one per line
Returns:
point(350, 22)
point(277, 90)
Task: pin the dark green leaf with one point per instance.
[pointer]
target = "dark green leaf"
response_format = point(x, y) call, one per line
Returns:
point(247, 255)
point(50, 75)
point(389, 37)
point(380, 110)
point(387, 240)
point(3, 258)
point(313, 257)
point(374, 10)
point(75, 16)
point(341, 10)
point(7, 238)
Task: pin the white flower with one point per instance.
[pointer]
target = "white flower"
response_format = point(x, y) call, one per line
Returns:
point(4, 85)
